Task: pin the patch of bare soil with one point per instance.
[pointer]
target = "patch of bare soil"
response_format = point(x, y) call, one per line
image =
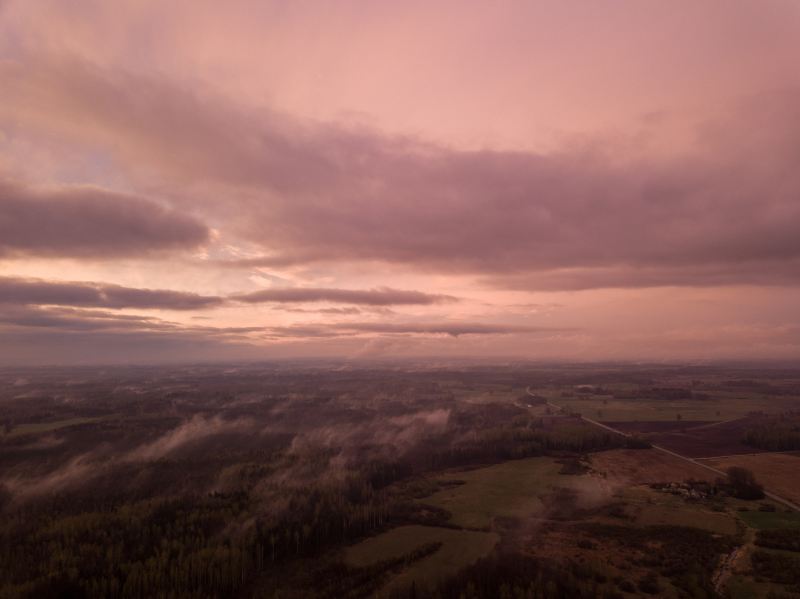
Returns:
point(646, 466)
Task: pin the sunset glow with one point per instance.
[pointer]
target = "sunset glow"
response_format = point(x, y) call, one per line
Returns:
point(527, 180)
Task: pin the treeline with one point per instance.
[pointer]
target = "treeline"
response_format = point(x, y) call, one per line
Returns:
point(192, 547)
point(741, 483)
point(513, 575)
point(787, 539)
point(509, 443)
point(776, 567)
point(131, 550)
point(687, 556)
point(777, 433)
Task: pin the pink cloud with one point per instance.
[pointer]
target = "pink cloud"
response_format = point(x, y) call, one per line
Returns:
point(309, 192)
point(90, 223)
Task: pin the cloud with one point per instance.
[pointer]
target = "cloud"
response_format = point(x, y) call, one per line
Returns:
point(21, 291)
point(314, 192)
point(759, 273)
point(372, 297)
point(34, 334)
point(192, 430)
point(68, 319)
point(453, 329)
point(77, 471)
point(114, 346)
point(90, 223)
point(74, 319)
point(396, 434)
point(87, 466)
point(337, 311)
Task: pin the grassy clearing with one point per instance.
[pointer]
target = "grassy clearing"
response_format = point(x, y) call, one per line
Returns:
point(459, 549)
point(649, 507)
point(767, 520)
point(510, 489)
point(644, 466)
point(687, 515)
point(46, 427)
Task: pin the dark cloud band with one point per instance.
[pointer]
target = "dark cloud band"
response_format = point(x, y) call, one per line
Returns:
point(373, 297)
point(90, 223)
point(98, 295)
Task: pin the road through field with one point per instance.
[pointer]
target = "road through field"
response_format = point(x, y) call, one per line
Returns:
point(773, 496)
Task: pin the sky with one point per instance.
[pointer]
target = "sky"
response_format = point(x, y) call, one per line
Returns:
point(537, 180)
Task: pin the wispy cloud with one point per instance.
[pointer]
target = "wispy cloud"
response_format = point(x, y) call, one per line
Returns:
point(384, 296)
point(326, 193)
point(453, 329)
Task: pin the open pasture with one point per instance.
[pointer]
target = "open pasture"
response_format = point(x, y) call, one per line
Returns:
point(645, 466)
point(510, 489)
point(769, 520)
point(680, 513)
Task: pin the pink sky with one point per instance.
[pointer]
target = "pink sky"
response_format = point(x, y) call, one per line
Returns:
point(540, 180)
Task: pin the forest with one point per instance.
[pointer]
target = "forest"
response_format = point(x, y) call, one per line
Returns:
point(250, 482)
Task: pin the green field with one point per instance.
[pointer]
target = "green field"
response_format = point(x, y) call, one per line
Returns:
point(687, 515)
point(459, 548)
point(649, 507)
point(511, 489)
point(765, 520)
point(46, 427)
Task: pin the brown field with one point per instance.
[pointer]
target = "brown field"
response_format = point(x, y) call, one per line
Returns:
point(645, 466)
point(708, 441)
point(776, 471)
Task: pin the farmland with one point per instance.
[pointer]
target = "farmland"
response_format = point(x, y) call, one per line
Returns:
point(774, 470)
point(294, 481)
point(697, 402)
point(724, 438)
point(771, 520)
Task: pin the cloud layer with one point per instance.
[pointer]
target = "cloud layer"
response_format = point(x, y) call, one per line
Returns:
point(91, 223)
point(97, 295)
point(373, 297)
point(21, 291)
point(350, 179)
point(321, 193)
